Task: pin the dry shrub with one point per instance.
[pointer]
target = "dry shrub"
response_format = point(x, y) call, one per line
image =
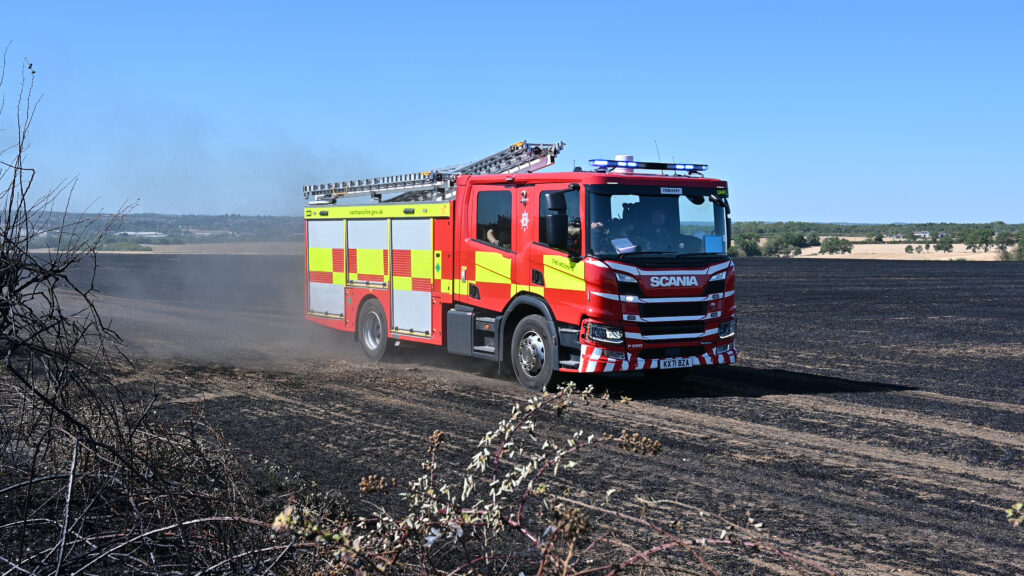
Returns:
point(90, 482)
point(512, 509)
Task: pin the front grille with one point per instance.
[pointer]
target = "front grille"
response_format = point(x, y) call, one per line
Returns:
point(655, 310)
point(662, 329)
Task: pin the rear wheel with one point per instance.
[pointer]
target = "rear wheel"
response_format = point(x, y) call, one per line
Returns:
point(534, 353)
point(372, 330)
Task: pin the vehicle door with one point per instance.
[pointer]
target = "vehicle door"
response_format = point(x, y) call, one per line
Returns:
point(557, 272)
point(486, 271)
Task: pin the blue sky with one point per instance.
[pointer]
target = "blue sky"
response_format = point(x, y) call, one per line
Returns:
point(822, 111)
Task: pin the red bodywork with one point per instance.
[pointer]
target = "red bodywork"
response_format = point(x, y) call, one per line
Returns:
point(501, 283)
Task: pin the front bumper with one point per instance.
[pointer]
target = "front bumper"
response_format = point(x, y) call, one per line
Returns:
point(597, 359)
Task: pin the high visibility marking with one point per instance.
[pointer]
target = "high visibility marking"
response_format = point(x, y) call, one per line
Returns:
point(517, 288)
point(401, 283)
point(327, 265)
point(494, 268)
point(381, 211)
point(338, 259)
point(561, 273)
point(402, 265)
point(412, 270)
point(320, 260)
point(370, 261)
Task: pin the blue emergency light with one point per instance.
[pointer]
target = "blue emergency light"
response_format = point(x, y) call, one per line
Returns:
point(600, 163)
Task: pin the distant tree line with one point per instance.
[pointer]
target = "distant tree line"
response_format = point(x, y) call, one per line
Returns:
point(907, 230)
point(789, 238)
point(134, 230)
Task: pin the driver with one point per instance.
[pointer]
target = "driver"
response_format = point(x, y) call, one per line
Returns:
point(656, 234)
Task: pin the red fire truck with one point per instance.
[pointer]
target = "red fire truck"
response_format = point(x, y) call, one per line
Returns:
point(602, 270)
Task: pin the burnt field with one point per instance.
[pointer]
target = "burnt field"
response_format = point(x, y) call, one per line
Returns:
point(875, 422)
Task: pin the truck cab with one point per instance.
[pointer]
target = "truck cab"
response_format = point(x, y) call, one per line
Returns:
point(619, 272)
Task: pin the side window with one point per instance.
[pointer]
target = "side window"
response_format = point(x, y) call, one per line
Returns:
point(494, 217)
point(572, 210)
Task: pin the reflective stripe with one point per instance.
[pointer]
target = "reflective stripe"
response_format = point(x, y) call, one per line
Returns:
point(417, 210)
point(367, 261)
point(327, 265)
point(422, 267)
point(321, 260)
point(493, 267)
point(412, 270)
point(561, 273)
point(517, 288)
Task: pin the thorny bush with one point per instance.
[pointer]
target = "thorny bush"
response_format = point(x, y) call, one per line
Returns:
point(513, 509)
point(90, 482)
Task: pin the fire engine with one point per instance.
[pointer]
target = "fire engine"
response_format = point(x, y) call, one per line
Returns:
point(622, 267)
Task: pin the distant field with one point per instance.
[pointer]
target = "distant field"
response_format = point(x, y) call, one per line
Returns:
point(249, 248)
point(860, 251)
point(889, 251)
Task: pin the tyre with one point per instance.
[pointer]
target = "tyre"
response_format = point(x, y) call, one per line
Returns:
point(372, 331)
point(533, 353)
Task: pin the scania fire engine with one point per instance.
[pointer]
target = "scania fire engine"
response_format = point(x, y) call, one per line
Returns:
point(622, 267)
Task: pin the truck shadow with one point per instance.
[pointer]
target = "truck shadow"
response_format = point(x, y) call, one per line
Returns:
point(712, 382)
point(736, 381)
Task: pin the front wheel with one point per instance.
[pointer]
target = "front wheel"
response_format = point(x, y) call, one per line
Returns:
point(372, 330)
point(534, 353)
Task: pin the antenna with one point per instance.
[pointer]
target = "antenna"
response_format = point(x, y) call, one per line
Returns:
point(658, 150)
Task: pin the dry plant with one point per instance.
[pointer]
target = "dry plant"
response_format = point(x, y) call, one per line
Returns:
point(89, 481)
point(514, 510)
point(1015, 514)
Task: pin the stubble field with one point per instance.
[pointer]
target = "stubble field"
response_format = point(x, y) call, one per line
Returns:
point(875, 422)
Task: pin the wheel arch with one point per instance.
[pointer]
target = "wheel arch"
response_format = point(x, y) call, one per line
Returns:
point(363, 302)
point(520, 307)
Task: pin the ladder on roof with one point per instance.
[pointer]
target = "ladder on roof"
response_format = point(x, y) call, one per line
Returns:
point(437, 185)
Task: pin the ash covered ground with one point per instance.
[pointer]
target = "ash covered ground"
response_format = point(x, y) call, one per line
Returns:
point(875, 422)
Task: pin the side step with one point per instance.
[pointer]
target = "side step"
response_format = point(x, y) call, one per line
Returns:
point(485, 336)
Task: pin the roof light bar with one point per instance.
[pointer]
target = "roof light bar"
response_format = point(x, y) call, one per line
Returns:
point(600, 163)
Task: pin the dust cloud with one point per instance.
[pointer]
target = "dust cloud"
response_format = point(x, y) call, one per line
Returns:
point(213, 308)
point(231, 310)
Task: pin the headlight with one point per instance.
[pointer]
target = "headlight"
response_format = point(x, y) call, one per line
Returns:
point(628, 285)
point(719, 276)
point(603, 333)
point(727, 329)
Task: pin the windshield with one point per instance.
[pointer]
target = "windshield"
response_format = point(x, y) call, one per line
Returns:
point(653, 220)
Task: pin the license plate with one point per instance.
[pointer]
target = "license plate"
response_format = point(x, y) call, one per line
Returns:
point(679, 362)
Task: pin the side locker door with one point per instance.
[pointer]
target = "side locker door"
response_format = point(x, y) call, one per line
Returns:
point(412, 254)
point(368, 253)
point(326, 267)
point(489, 272)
